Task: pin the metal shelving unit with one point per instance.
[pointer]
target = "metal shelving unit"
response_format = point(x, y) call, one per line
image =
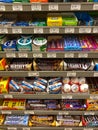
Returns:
point(75, 6)
point(57, 7)
point(50, 30)
point(49, 73)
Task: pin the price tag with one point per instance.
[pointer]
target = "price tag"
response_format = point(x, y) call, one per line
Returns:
point(26, 128)
point(94, 97)
point(75, 7)
point(2, 8)
point(69, 30)
point(3, 30)
point(22, 55)
point(33, 74)
point(16, 30)
point(54, 30)
point(6, 112)
point(29, 112)
point(10, 55)
point(38, 30)
point(11, 128)
point(37, 55)
point(95, 74)
point(83, 55)
point(71, 74)
point(8, 96)
point(89, 113)
point(36, 7)
point(63, 113)
point(67, 97)
point(17, 7)
point(53, 7)
point(84, 30)
point(95, 7)
point(69, 55)
point(51, 55)
point(95, 30)
point(68, 129)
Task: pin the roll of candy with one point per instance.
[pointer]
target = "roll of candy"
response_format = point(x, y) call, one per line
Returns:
point(55, 88)
point(39, 87)
point(24, 44)
point(13, 86)
point(27, 86)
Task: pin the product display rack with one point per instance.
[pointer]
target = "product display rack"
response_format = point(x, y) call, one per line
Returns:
point(73, 6)
point(50, 30)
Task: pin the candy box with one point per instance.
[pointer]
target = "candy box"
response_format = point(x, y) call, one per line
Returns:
point(42, 121)
point(2, 117)
point(55, 43)
point(67, 120)
point(31, 1)
point(90, 121)
point(54, 19)
point(84, 18)
point(92, 104)
point(4, 85)
point(3, 38)
point(71, 43)
point(69, 19)
point(2, 64)
point(16, 120)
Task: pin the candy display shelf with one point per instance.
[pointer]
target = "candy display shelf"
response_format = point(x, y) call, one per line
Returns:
point(65, 54)
point(47, 112)
point(49, 96)
point(45, 128)
point(49, 73)
point(50, 30)
point(70, 6)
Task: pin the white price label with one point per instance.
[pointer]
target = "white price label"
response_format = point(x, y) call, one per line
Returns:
point(89, 113)
point(68, 129)
point(83, 55)
point(10, 55)
point(11, 128)
point(25, 128)
point(53, 7)
point(63, 113)
point(16, 30)
point(8, 96)
point(38, 30)
point(94, 97)
point(95, 74)
point(17, 7)
point(71, 74)
point(2, 8)
point(22, 55)
point(69, 30)
point(69, 55)
point(33, 74)
point(3, 30)
point(95, 30)
point(54, 30)
point(37, 55)
point(84, 30)
point(67, 97)
point(95, 6)
point(75, 7)
point(6, 112)
point(51, 55)
point(29, 112)
point(36, 7)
